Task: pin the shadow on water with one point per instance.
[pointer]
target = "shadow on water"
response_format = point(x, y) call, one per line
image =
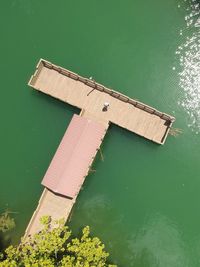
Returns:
point(53, 102)
point(5, 240)
point(124, 140)
point(132, 137)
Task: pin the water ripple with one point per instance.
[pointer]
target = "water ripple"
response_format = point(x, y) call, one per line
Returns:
point(159, 243)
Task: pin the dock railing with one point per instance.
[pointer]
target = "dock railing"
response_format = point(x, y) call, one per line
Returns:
point(97, 86)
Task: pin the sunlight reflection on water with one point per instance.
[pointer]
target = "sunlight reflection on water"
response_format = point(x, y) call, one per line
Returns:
point(189, 60)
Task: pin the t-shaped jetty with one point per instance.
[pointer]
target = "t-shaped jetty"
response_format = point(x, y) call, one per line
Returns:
point(99, 106)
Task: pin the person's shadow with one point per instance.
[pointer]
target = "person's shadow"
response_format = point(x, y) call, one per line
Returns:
point(104, 108)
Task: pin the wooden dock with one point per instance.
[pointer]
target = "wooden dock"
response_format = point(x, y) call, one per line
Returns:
point(90, 97)
point(52, 205)
point(68, 169)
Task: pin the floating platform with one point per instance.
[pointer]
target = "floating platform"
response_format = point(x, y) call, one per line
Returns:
point(77, 150)
point(90, 96)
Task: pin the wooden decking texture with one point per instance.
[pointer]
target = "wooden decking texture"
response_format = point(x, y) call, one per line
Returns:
point(142, 120)
point(52, 205)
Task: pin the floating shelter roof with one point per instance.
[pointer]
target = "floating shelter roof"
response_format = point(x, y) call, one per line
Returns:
point(73, 157)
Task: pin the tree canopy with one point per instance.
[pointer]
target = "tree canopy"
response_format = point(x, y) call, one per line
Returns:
point(55, 246)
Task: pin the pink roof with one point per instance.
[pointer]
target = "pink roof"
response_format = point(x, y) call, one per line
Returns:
point(73, 157)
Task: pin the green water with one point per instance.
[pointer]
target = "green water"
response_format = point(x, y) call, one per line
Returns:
point(143, 200)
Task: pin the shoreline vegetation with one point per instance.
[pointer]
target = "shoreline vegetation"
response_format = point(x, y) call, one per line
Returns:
point(6, 221)
point(55, 245)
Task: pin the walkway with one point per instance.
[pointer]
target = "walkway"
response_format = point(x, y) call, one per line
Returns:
point(52, 205)
point(68, 169)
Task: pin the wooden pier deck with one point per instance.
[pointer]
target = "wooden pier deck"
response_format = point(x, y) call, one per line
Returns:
point(91, 96)
point(52, 205)
point(76, 152)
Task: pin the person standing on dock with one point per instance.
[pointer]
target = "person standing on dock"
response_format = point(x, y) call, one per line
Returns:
point(105, 106)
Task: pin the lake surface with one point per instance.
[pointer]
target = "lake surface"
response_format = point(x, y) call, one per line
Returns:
point(143, 200)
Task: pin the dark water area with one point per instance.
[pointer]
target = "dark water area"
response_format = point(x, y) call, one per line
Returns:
point(143, 200)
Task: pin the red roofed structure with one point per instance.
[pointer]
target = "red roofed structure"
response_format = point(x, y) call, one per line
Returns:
point(74, 156)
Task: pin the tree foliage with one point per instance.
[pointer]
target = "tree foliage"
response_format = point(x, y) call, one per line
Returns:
point(54, 246)
point(6, 222)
